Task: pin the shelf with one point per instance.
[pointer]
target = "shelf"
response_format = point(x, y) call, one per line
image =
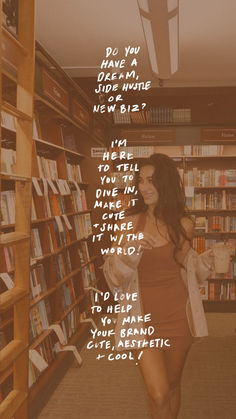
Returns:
point(39, 339)
point(12, 130)
point(58, 147)
point(43, 220)
point(46, 294)
point(60, 282)
point(67, 180)
point(45, 376)
point(66, 117)
point(13, 238)
point(227, 306)
point(68, 214)
point(12, 176)
point(45, 101)
point(12, 110)
point(47, 255)
point(7, 74)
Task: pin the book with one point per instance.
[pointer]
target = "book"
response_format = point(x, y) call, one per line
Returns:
point(8, 207)
point(36, 248)
point(8, 160)
point(38, 283)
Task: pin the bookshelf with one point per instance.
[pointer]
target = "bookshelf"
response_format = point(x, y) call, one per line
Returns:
point(209, 177)
point(45, 231)
point(14, 302)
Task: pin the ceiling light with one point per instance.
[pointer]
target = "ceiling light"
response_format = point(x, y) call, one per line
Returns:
point(160, 21)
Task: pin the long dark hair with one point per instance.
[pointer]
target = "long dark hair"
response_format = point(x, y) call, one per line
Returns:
point(171, 206)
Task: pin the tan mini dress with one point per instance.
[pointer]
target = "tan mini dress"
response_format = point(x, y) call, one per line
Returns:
point(163, 293)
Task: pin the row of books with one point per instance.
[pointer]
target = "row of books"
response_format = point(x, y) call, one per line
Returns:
point(201, 243)
point(47, 167)
point(88, 275)
point(8, 207)
point(35, 242)
point(215, 223)
point(56, 239)
point(186, 150)
point(218, 291)
point(46, 351)
point(154, 115)
point(70, 324)
point(40, 318)
point(74, 172)
point(38, 284)
point(83, 252)
point(157, 115)
point(8, 160)
point(67, 294)
point(210, 177)
point(83, 226)
point(54, 204)
point(59, 236)
point(6, 259)
point(203, 150)
point(8, 121)
point(63, 264)
point(222, 200)
point(139, 151)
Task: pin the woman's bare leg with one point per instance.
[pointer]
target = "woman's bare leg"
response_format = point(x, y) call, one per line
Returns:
point(153, 368)
point(175, 361)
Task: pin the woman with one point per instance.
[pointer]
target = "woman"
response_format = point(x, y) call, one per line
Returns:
point(164, 272)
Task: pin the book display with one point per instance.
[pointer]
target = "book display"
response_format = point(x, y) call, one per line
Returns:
point(154, 116)
point(46, 253)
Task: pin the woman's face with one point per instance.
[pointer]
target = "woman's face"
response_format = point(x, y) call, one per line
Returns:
point(146, 187)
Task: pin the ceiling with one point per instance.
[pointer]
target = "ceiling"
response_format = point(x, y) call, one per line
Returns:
point(77, 32)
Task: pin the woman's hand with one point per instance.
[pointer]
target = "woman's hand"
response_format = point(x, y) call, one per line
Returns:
point(147, 242)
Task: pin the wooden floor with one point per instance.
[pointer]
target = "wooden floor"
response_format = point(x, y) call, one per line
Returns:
point(115, 389)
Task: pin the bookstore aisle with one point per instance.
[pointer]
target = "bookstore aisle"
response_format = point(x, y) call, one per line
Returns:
point(104, 389)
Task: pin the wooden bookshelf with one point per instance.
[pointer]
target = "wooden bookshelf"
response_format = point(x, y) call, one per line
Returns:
point(14, 356)
point(50, 255)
